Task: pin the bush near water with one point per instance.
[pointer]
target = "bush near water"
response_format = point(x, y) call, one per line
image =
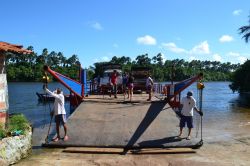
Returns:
point(241, 78)
point(18, 125)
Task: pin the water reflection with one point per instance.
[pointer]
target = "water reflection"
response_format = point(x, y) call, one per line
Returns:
point(243, 100)
point(23, 99)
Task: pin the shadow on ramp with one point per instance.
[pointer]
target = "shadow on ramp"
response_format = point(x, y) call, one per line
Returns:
point(153, 111)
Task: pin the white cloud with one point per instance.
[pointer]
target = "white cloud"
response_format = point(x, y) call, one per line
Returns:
point(102, 59)
point(96, 25)
point(242, 59)
point(163, 57)
point(191, 58)
point(226, 38)
point(105, 59)
point(96, 60)
point(236, 57)
point(172, 47)
point(237, 12)
point(233, 54)
point(202, 48)
point(146, 40)
point(217, 57)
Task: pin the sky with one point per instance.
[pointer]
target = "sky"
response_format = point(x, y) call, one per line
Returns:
point(97, 30)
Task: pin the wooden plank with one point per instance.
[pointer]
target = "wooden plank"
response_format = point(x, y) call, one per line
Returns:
point(161, 151)
point(93, 150)
point(134, 151)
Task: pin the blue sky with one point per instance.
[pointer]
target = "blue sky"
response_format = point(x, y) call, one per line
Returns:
point(97, 30)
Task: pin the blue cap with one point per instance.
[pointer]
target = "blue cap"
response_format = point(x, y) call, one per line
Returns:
point(190, 93)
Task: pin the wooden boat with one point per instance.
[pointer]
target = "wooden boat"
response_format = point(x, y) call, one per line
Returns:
point(46, 97)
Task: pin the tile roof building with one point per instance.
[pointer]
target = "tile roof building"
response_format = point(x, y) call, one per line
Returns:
point(4, 104)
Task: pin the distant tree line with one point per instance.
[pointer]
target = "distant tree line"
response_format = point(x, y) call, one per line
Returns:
point(162, 70)
point(29, 67)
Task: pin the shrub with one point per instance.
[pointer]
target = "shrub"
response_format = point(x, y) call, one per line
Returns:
point(2, 131)
point(18, 123)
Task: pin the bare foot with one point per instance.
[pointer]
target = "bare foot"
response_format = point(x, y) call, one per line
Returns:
point(55, 139)
point(66, 138)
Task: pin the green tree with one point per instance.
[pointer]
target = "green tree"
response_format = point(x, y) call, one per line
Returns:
point(241, 78)
point(245, 31)
point(143, 60)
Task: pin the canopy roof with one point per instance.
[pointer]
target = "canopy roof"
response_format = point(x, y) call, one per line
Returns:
point(7, 47)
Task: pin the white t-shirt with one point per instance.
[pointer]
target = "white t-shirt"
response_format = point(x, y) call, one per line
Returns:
point(149, 81)
point(59, 102)
point(188, 106)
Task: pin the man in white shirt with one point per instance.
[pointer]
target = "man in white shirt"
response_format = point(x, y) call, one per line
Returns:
point(59, 112)
point(149, 86)
point(188, 104)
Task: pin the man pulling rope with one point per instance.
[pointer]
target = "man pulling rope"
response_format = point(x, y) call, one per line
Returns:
point(59, 112)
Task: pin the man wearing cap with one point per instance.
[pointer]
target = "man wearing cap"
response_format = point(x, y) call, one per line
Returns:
point(59, 112)
point(188, 104)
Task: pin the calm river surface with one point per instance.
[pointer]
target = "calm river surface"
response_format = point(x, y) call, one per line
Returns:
point(221, 107)
point(23, 99)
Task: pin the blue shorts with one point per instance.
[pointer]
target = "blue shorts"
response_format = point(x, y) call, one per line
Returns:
point(61, 118)
point(188, 120)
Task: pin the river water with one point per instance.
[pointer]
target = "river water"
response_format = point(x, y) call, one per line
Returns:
point(223, 109)
point(23, 99)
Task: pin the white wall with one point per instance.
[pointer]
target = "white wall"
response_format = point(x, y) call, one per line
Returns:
point(4, 104)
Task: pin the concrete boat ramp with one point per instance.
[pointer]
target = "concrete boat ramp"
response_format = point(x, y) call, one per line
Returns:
point(106, 122)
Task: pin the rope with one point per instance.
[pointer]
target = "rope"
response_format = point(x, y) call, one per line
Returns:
point(45, 80)
point(201, 110)
point(45, 110)
point(197, 117)
point(200, 87)
point(51, 117)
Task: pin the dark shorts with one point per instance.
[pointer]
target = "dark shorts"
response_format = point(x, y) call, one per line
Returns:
point(149, 88)
point(188, 120)
point(61, 118)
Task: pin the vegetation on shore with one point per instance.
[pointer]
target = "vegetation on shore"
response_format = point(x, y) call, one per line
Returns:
point(17, 125)
point(30, 67)
point(162, 70)
point(241, 77)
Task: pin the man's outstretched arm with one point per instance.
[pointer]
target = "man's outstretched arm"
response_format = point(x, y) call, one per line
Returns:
point(199, 111)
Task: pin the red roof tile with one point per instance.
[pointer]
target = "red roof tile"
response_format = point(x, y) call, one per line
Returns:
point(5, 47)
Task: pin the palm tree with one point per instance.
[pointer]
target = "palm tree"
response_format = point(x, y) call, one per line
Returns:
point(245, 31)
